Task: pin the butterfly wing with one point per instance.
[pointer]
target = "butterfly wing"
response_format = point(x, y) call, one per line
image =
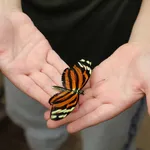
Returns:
point(75, 78)
point(83, 71)
point(69, 79)
point(63, 104)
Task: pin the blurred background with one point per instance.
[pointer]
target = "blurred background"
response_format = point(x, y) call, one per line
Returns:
point(11, 136)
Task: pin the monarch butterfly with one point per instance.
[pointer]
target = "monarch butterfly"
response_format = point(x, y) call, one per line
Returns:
point(73, 80)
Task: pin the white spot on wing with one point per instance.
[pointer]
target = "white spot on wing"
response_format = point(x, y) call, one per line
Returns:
point(85, 67)
point(89, 69)
point(89, 62)
point(62, 110)
point(80, 64)
point(82, 60)
point(53, 116)
point(62, 116)
point(56, 111)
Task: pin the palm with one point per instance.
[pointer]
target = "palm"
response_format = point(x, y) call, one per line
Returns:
point(28, 60)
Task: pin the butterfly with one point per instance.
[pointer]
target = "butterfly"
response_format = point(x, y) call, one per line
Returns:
point(73, 80)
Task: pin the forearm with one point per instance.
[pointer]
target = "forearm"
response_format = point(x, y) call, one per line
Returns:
point(7, 6)
point(141, 30)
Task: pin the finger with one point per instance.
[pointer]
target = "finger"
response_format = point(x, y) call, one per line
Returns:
point(47, 115)
point(28, 86)
point(44, 82)
point(76, 108)
point(52, 73)
point(54, 60)
point(103, 113)
point(83, 109)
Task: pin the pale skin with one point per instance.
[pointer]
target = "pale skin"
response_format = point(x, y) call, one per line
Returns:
point(28, 61)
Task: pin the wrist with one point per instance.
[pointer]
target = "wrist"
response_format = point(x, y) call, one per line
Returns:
point(140, 34)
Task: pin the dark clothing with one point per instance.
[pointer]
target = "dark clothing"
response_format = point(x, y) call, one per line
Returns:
point(89, 29)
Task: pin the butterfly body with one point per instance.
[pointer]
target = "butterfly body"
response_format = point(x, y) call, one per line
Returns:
point(79, 91)
point(73, 80)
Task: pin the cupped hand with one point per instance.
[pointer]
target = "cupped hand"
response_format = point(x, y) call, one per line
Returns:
point(115, 84)
point(27, 59)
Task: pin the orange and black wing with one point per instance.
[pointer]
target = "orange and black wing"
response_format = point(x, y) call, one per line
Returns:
point(75, 78)
point(63, 104)
point(69, 79)
point(83, 71)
